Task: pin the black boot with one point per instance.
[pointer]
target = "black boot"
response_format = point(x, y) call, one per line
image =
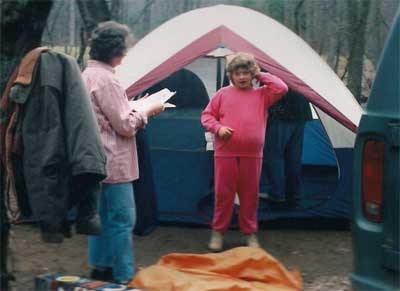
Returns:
point(88, 221)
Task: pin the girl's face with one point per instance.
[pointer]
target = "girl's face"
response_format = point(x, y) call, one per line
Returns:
point(242, 78)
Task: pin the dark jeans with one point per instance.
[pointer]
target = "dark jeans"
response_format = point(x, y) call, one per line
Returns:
point(282, 157)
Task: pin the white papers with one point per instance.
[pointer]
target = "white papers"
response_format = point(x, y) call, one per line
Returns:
point(210, 139)
point(146, 103)
point(169, 105)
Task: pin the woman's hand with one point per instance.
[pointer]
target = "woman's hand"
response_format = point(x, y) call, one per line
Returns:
point(155, 109)
point(225, 132)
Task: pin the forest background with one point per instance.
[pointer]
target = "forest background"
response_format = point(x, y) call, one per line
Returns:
point(348, 34)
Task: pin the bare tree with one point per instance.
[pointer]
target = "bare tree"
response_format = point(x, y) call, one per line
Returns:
point(299, 18)
point(55, 13)
point(144, 17)
point(116, 10)
point(22, 26)
point(71, 41)
point(187, 5)
point(92, 12)
point(275, 9)
point(147, 16)
point(357, 18)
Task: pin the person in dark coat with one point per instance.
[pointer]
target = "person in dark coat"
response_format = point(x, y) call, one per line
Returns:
point(283, 147)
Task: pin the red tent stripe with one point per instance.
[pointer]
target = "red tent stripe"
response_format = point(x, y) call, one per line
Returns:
point(223, 36)
point(187, 55)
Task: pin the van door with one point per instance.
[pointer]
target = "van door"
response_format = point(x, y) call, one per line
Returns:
point(385, 101)
point(391, 257)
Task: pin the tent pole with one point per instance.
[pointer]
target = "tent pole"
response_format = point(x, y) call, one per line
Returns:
point(218, 85)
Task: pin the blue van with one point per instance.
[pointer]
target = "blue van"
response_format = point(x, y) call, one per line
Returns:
point(376, 180)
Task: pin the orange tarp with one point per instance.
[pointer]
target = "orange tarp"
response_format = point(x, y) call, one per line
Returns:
point(238, 269)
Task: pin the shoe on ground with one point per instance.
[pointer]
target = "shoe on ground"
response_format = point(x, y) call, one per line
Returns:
point(101, 274)
point(89, 226)
point(216, 241)
point(252, 241)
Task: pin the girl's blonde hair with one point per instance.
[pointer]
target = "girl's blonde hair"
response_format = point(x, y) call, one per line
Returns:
point(242, 60)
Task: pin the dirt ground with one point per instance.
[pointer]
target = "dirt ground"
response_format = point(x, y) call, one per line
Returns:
point(324, 257)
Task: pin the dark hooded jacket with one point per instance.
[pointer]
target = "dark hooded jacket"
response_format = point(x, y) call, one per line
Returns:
point(62, 157)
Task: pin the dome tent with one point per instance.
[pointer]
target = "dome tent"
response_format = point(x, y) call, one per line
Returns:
point(192, 35)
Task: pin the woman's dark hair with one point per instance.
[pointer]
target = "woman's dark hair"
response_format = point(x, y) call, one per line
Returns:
point(110, 39)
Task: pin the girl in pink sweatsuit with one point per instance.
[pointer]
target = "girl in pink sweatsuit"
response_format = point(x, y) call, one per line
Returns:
point(237, 115)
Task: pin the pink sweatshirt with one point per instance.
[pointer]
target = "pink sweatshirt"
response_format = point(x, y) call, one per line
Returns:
point(118, 124)
point(246, 112)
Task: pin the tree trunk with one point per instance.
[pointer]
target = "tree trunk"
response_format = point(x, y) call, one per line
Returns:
point(330, 10)
point(116, 10)
point(147, 17)
point(92, 12)
point(71, 41)
point(276, 9)
point(299, 21)
point(187, 5)
point(22, 26)
point(337, 57)
point(144, 18)
point(357, 13)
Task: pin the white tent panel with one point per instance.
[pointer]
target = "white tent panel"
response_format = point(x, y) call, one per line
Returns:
point(205, 68)
point(340, 136)
point(266, 34)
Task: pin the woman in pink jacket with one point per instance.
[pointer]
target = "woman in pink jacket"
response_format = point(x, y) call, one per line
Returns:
point(111, 252)
point(237, 115)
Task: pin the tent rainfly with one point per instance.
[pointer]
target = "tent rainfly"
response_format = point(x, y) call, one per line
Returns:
point(194, 34)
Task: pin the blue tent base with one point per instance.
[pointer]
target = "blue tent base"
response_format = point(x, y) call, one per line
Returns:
point(318, 185)
point(183, 175)
point(324, 196)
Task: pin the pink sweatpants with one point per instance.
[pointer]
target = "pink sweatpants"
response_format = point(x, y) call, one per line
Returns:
point(236, 175)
